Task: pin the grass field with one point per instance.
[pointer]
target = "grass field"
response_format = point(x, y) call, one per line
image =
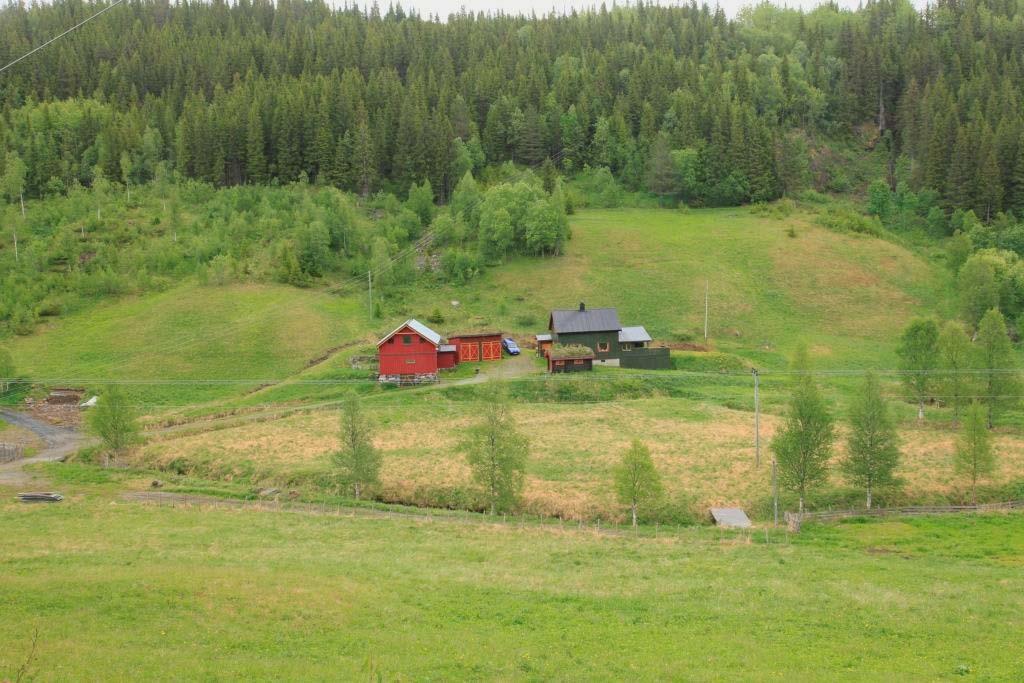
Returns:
point(236, 332)
point(705, 454)
point(118, 590)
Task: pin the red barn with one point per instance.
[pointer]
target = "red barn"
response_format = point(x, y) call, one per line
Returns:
point(409, 354)
point(477, 346)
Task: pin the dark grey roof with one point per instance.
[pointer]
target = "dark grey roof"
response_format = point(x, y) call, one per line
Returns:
point(634, 334)
point(589, 320)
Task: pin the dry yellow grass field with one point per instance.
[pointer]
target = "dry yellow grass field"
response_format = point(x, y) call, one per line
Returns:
point(704, 453)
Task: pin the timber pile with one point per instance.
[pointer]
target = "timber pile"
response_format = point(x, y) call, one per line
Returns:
point(40, 497)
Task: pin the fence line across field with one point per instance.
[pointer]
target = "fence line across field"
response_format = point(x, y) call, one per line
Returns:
point(794, 519)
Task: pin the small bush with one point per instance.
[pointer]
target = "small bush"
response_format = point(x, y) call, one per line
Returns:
point(846, 220)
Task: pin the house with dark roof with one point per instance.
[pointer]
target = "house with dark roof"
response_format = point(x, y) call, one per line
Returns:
point(599, 329)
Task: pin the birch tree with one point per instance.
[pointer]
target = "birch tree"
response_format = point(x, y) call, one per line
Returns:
point(873, 447)
point(637, 482)
point(497, 454)
point(358, 461)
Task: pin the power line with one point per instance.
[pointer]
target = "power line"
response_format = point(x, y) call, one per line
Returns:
point(602, 377)
point(58, 37)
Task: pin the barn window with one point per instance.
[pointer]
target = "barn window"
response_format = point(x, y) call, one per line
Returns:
point(602, 347)
point(559, 363)
point(578, 361)
point(410, 361)
point(407, 339)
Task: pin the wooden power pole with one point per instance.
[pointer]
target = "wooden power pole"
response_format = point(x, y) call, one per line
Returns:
point(757, 419)
point(369, 288)
point(706, 287)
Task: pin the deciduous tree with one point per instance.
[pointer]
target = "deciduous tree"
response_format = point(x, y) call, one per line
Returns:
point(872, 447)
point(919, 358)
point(637, 482)
point(974, 456)
point(114, 421)
point(803, 445)
point(358, 461)
point(497, 455)
point(1000, 384)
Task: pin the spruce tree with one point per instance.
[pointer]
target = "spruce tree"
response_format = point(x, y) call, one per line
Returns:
point(255, 152)
point(1016, 193)
point(960, 178)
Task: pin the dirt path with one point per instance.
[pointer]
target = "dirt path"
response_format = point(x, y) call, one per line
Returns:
point(59, 443)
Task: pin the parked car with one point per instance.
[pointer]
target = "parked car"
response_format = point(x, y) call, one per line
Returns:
point(510, 346)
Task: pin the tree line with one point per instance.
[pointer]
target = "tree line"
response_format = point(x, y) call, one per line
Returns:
point(679, 101)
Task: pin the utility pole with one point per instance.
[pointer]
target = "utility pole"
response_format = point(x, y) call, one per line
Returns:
point(775, 490)
point(369, 288)
point(706, 288)
point(757, 420)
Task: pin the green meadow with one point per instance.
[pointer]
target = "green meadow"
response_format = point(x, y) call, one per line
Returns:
point(119, 590)
point(845, 296)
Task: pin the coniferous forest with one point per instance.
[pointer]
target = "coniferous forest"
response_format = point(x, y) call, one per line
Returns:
point(490, 114)
point(257, 92)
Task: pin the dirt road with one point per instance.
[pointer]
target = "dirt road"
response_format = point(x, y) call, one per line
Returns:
point(59, 443)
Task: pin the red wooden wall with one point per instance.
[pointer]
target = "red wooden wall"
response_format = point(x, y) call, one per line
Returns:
point(396, 357)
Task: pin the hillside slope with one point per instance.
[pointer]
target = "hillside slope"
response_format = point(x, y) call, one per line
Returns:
point(845, 296)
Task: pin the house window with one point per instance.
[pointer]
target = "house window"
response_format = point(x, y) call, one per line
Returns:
point(407, 339)
point(626, 347)
point(602, 347)
point(559, 363)
point(578, 361)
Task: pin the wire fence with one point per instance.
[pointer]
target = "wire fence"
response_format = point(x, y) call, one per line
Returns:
point(9, 452)
point(598, 527)
point(795, 519)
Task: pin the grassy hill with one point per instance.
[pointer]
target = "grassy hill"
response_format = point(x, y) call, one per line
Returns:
point(121, 590)
point(846, 296)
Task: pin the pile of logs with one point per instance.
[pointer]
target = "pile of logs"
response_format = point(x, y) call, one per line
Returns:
point(40, 497)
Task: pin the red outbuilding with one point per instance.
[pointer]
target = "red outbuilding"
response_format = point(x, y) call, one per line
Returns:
point(477, 346)
point(410, 354)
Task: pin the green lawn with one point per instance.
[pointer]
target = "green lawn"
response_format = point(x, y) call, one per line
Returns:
point(123, 591)
point(236, 332)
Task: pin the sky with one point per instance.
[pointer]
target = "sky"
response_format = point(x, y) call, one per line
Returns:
point(445, 7)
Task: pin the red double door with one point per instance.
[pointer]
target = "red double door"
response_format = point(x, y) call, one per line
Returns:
point(471, 352)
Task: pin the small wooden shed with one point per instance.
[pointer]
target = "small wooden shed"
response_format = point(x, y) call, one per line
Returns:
point(570, 358)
